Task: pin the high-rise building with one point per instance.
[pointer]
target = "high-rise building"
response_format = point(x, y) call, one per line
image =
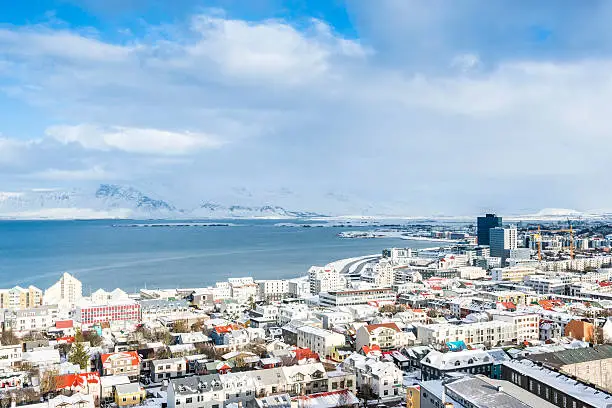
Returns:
point(502, 240)
point(68, 290)
point(484, 225)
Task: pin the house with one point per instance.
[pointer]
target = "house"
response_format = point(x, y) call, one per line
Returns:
point(63, 401)
point(128, 395)
point(10, 355)
point(192, 338)
point(385, 335)
point(196, 392)
point(108, 384)
point(383, 378)
point(84, 383)
point(121, 363)
point(168, 368)
point(580, 330)
point(437, 365)
point(330, 399)
point(319, 340)
point(340, 353)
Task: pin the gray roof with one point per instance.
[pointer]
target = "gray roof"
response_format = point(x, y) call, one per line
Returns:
point(573, 356)
point(484, 395)
point(131, 388)
point(197, 384)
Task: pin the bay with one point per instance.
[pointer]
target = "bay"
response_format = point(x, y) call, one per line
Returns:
point(110, 253)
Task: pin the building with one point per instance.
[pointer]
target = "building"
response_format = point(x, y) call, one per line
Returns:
point(276, 289)
point(580, 330)
point(502, 240)
point(83, 383)
point(557, 389)
point(205, 391)
point(18, 298)
point(471, 272)
point(325, 279)
point(385, 335)
point(168, 368)
point(476, 391)
point(128, 395)
point(122, 311)
point(121, 363)
point(68, 291)
point(490, 333)
point(512, 273)
point(153, 309)
point(10, 355)
point(527, 324)
point(383, 378)
point(319, 340)
point(484, 225)
point(23, 321)
point(591, 364)
point(436, 364)
point(356, 297)
point(102, 297)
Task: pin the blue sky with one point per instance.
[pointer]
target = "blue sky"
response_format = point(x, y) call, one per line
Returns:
point(396, 107)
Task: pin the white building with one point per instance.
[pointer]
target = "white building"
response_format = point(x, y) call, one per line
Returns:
point(384, 378)
point(471, 272)
point(398, 256)
point(319, 340)
point(276, 289)
point(10, 355)
point(488, 333)
point(379, 273)
point(299, 287)
point(356, 297)
point(527, 324)
point(325, 279)
point(67, 291)
point(29, 320)
point(102, 297)
point(387, 336)
point(513, 273)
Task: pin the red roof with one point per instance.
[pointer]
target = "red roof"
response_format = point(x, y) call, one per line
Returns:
point(508, 305)
point(73, 381)
point(108, 359)
point(64, 324)
point(367, 350)
point(223, 329)
point(305, 353)
point(65, 339)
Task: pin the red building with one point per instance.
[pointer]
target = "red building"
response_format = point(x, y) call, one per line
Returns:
point(116, 312)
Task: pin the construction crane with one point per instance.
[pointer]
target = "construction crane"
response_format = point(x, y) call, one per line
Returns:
point(538, 238)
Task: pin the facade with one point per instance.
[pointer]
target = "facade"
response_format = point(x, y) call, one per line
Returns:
point(502, 240)
point(387, 336)
point(121, 363)
point(116, 312)
point(19, 298)
point(153, 309)
point(10, 355)
point(491, 333)
point(168, 368)
point(512, 273)
point(324, 279)
point(527, 324)
point(276, 289)
point(319, 340)
point(204, 391)
point(356, 297)
point(68, 290)
point(437, 365)
point(129, 395)
point(383, 378)
point(484, 225)
point(23, 321)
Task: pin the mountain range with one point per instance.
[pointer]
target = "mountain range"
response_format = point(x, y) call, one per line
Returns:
point(118, 201)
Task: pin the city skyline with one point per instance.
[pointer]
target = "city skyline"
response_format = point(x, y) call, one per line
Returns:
point(342, 107)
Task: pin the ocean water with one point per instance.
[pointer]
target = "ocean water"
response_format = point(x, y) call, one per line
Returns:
point(108, 254)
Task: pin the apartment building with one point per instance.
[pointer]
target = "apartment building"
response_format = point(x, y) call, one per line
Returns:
point(491, 333)
point(512, 273)
point(276, 289)
point(168, 368)
point(10, 355)
point(319, 340)
point(121, 311)
point(384, 378)
point(121, 363)
point(325, 279)
point(18, 298)
point(68, 290)
point(385, 335)
point(356, 297)
point(437, 365)
point(527, 324)
point(27, 320)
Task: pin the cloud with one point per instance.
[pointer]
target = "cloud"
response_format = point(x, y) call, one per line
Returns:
point(133, 140)
point(420, 117)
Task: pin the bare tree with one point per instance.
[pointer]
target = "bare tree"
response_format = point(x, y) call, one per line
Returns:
point(366, 394)
point(48, 381)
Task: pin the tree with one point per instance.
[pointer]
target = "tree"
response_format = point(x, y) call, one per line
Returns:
point(180, 326)
point(8, 338)
point(93, 338)
point(198, 325)
point(78, 355)
point(164, 337)
point(366, 393)
point(48, 381)
point(162, 353)
point(78, 336)
point(208, 350)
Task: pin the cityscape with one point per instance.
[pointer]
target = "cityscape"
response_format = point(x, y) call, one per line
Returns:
point(499, 315)
point(305, 204)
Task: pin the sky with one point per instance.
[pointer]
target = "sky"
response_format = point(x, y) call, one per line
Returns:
point(399, 107)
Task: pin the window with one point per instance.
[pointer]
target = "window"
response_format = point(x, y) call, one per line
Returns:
point(178, 401)
point(386, 392)
point(215, 406)
point(188, 400)
point(124, 399)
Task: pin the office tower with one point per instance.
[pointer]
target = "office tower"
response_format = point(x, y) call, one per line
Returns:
point(502, 240)
point(485, 224)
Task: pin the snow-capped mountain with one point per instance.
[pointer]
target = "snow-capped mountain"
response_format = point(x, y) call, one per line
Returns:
point(117, 201)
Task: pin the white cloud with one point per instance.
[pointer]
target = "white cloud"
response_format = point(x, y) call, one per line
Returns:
point(133, 140)
point(96, 173)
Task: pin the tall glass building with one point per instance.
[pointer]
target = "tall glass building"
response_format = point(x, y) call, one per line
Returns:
point(484, 225)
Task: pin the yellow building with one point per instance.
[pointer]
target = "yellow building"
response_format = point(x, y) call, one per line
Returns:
point(127, 395)
point(19, 298)
point(413, 396)
point(340, 353)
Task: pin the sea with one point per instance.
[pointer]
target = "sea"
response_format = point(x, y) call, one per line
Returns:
point(136, 254)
